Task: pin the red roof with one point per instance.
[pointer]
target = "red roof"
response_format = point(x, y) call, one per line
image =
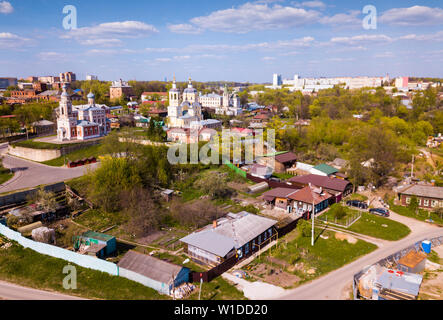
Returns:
point(322, 181)
point(8, 116)
point(286, 157)
point(310, 195)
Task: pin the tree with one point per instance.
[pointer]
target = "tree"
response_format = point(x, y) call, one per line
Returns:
point(413, 205)
point(45, 200)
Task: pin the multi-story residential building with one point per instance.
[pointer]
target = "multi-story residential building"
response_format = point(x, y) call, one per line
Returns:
point(120, 88)
point(7, 82)
point(49, 79)
point(67, 77)
point(91, 78)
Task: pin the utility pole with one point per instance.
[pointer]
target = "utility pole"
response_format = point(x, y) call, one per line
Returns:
point(313, 218)
point(200, 292)
point(412, 168)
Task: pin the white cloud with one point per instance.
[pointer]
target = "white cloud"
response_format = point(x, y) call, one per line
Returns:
point(282, 44)
point(341, 59)
point(112, 30)
point(101, 42)
point(413, 16)
point(6, 7)
point(387, 54)
point(313, 4)
point(362, 39)
point(52, 56)
point(268, 58)
point(10, 40)
point(163, 59)
point(254, 16)
point(438, 36)
point(184, 29)
point(350, 18)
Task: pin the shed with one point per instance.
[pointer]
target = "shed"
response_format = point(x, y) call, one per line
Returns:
point(326, 169)
point(392, 285)
point(167, 194)
point(256, 188)
point(91, 237)
point(413, 262)
point(152, 272)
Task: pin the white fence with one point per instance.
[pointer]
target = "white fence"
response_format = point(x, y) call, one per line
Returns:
point(56, 252)
point(84, 261)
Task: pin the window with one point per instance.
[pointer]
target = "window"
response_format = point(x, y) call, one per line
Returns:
point(434, 203)
point(408, 200)
point(441, 204)
point(426, 202)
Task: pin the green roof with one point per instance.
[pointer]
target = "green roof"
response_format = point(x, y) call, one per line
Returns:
point(97, 236)
point(275, 154)
point(326, 169)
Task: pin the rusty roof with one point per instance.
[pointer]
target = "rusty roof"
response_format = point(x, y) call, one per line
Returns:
point(412, 259)
point(322, 181)
point(286, 157)
point(309, 195)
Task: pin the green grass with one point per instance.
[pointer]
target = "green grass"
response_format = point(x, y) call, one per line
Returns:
point(434, 257)
point(5, 175)
point(41, 145)
point(29, 268)
point(325, 256)
point(372, 225)
point(356, 196)
point(96, 219)
point(283, 176)
point(91, 151)
point(421, 214)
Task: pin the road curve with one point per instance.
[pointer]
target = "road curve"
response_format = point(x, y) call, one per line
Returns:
point(11, 291)
point(331, 286)
point(29, 174)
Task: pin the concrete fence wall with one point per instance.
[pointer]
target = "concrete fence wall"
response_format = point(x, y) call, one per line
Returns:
point(22, 196)
point(41, 155)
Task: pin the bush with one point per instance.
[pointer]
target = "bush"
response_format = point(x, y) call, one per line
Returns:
point(305, 228)
point(338, 211)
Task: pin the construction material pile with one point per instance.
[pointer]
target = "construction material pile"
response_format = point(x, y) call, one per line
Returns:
point(44, 235)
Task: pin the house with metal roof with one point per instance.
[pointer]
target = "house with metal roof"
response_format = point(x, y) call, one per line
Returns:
point(237, 235)
point(152, 272)
point(97, 244)
point(337, 187)
point(326, 169)
point(428, 197)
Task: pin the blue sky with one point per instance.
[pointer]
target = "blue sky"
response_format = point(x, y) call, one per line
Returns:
point(220, 40)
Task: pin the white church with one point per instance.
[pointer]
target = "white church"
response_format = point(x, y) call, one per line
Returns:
point(81, 122)
point(185, 110)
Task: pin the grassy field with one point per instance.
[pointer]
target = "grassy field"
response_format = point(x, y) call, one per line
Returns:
point(356, 196)
point(325, 256)
point(421, 214)
point(29, 268)
point(372, 225)
point(379, 227)
point(42, 145)
point(91, 151)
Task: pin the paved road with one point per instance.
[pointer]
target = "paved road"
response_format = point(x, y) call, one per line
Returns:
point(332, 285)
point(11, 291)
point(28, 174)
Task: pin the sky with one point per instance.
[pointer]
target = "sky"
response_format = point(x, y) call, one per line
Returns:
point(211, 40)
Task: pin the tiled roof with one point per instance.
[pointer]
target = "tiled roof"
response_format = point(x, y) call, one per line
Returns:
point(278, 193)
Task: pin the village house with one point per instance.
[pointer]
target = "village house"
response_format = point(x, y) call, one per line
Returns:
point(282, 161)
point(339, 188)
point(236, 235)
point(152, 272)
point(428, 197)
point(299, 201)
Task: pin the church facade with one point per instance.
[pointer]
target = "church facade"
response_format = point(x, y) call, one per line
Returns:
point(81, 122)
point(184, 108)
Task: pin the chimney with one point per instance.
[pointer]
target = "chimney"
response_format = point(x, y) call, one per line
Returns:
point(214, 224)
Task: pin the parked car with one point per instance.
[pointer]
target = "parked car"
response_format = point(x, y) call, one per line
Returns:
point(357, 204)
point(380, 211)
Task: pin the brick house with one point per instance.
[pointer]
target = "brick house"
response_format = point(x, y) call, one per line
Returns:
point(429, 197)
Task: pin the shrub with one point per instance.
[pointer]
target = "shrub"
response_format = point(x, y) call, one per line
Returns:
point(338, 211)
